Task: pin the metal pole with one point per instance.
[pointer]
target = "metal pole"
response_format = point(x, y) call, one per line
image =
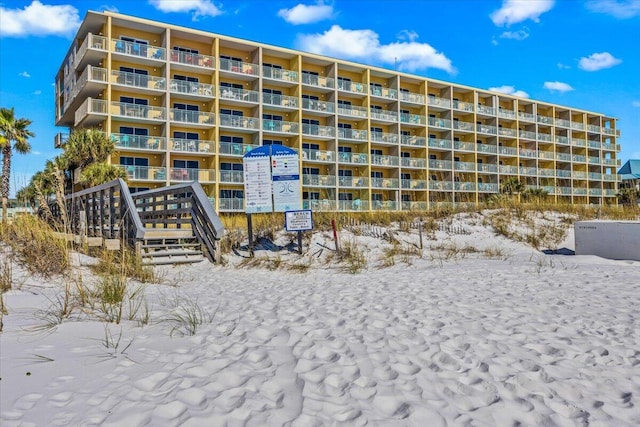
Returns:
point(335, 235)
point(250, 228)
point(300, 242)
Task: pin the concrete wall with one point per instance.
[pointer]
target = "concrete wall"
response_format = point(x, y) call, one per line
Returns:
point(608, 239)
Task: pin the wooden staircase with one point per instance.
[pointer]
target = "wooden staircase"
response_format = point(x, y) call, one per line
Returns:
point(170, 247)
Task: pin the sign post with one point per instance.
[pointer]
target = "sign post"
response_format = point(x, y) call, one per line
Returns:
point(299, 221)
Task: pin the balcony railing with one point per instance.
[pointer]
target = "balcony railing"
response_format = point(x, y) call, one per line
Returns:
point(239, 122)
point(594, 176)
point(192, 145)
point(563, 156)
point(593, 128)
point(508, 151)
point(279, 74)
point(193, 117)
point(507, 132)
point(578, 126)
point(192, 174)
point(191, 88)
point(488, 129)
point(318, 81)
point(319, 180)
point(527, 134)
point(92, 41)
point(440, 185)
point(415, 98)
point(488, 187)
point(355, 87)
point(483, 109)
point(408, 162)
point(439, 102)
point(563, 123)
point(383, 92)
point(231, 177)
point(561, 173)
point(148, 112)
point(440, 123)
point(139, 142)
point(314, 105)
point(384, 160)
point(549, 155)
point(445, 144)
point(353, 158)
point(90, 74)
point(320, 130)
point(414, 184)
point(414, 206)
point(529, 171)
point(464, 166)
point(353, 205)
point(352, 134)
point(235, 148)
point(239, 94)
point(464, 146)
point(353, 181)
point(464, 186)
point(228, 204)
point(384, 115)
point(506, 114)
point(464, 106)
point(487, 168)
point(413, 141)
point(194, 59)
point(386, 138)
point(544, 137)
point(138, 49)
point(508, 170)
point(319, 205)
point(528, 153)
point(317, 155)
point(280, 126)
point(353, 111)
point(526, 116)
point(579, 158)
point(578, 175)
point(545, 119)
point(239, 66)
point(90, 106)
point(137, 80)
point(145, 173)
point(463, 126)
point(417, 119)
point(486, 148)
point(594, 144)
point(562, 140)
point(593, 160)
point(384, 182)
point(280, 100)
point(439, 164)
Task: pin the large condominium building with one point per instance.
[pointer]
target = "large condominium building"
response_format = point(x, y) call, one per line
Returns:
point(183, 105)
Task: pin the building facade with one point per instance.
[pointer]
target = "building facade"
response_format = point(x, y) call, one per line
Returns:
point(185, 105)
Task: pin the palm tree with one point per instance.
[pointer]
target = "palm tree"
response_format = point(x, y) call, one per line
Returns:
point(12, 131)
point(86, 147)
point(99, 173)
point(511, 186)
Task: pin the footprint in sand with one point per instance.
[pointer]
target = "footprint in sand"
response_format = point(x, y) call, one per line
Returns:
point(27, 401)
point(61, 400)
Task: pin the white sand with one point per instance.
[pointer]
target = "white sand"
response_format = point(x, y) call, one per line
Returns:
point(524, 339)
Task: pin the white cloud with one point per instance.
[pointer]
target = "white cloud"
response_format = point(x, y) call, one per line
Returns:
point(39, 19)
point(37, 92)
point(619, 9)
point(515, 35)
point(306, 14)
point(24, 74)
point(197, 7)
point(557, 86)
point(635, 104)
point(108, 8)
point(598, 61)
point(563, 66)
point(510, 90)
point(365, 45)
point(514, 11)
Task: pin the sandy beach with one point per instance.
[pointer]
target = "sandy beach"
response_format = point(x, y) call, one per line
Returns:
point(497, 334)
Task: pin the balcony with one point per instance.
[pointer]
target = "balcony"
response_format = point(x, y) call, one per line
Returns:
point(317, 155)
point(383, 92)
point(439, 164)
point(353, 158)
point(319, 180)
point(593, 160)
point(532, 154)
point(191, 89)
point(91, 82)
point(320, 106)
point(410, 97)
point(610, 192)
point(487, 168)
point(464, 186)
point(444, 144)
point(192, 174)
point(440, 185)
point(319, 205)
point(384, 160)
point(435, 101)
point(527, 135)
point(545, 137)
point(464, 146)
point(561, 173)
point(377, 114)
point(610, 147)
point(353, 87)
point(549, 155)
point(545, 120)
point(463, 106)
point(563, 156)
point(91, 112)
point(279, 126)
point(413, 184)
point(199, 146)
point(92, 49)
point(503, 113)
point(486, 148)
point(138, 52)
point(408, 162)
point(231, 177)
point(199, 118)
point(414, 206)
point(384, 138)
point(139, 81)
point(507, 132)
point(593, 176)
point(60, 139)
point(464, 166)
point(231, 205)
point(579, 158)
point(577, 126)
point(563, 123)
point(578, 175)
point(578, 142)
point(593, 128)
point(508, 170)
point(611, 162)
point(231, 93)
point(563, 140)
point(527, 117)
point(458, 125)
point(488, 187)
point(187, 60)
point(487, 129)
point(239, 68)
point(279, 74)
point(235, 149)
point(563, 191)
point(487, 111)
point(318, 81)
point(595, 192)
point(384, 182)
point(594, 144)
point(384, 205)
point(353, 111)
point(239, 122)
point(353, 205)
point(579, 191)
point(144, 173)
point(284, 101)
point(413, 141)
point(353, 181)
point(138, 112)
point(412, 119)
point(507, 151)
point(321, 131)
point(352, 134)
point(609, 131)
point(439, 123)
point(528, 171)
point(139, 142)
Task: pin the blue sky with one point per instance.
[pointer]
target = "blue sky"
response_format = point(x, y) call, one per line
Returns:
point(583, 54)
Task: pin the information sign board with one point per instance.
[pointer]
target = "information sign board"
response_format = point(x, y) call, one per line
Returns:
point(298, 220)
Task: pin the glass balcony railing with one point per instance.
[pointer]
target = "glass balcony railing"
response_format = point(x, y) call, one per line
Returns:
point(383, 137)
point(140, 50)
point(526, 116)
point(349, 86)
point(464, 166)
point(137, 80)
point(414, 206)
point(318, 81)
point(545, 120)
point(440, 164)
point(578, 142)
point(231, 177)
point(508, 170)
point(90, 107)
point(353, 158)
point(353, 111)
point(577, 126)
point(319, 180)
point(483, 109)
point(416, 119)
point(192, 145)
point(593, 128)
point(415, 98)
point(280, 126)
point(193, 117)
point(508, 151)
point(440, 185)
point(384, 160)
point(561, 173)
point(529, 171)
point(195, 59)
point(528, 153)
point(549, 155)
point(562, 140)
point(563, 156)
point(594, 176)
point(440, 123)
point(435, 101)
point(579, 158)
point(191, 88)
point(139, 142)
point(463, 126)
point(238, 67)
point(92, 41)
point(384, 115)
point(280, 100)
point(353, 205)
point(352, 134)
point(279, 74)
point(192, 174)
point(487, 168)
point(486, 148)
point(144, 173)
point(463, 106)
point(235, 148)
point(319, 130)
point(488, 187)
point(464, 146)
point(413, 184)
point(384, 182)
point(383, 92)
point(231, 204)
point(527, 134)
point(408, 162)
point(319, 204)
point(593, 160)
point(413, 141)
point(507, 132)
point(239, 122)
point(318, 155)
point(544, 137)
point(487, 129)
point(239, 94)
point(445, 144)
point(594, 144)
point(353, 181)
point(464, 186)
point(314, 105)
point(578, 175)
point(506, 114)
point(143, 112)
point(563, 123)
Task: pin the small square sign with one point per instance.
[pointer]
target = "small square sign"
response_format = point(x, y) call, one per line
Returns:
point(298, 220)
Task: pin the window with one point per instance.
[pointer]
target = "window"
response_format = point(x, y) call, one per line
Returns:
point(134, 131)
point(185, 49)
point(133, 76)
point(278, 67)
point(345, 172)
point(432, 157)
point(376, 174)
point(306, 195)
point(229, 112)
point(405, 154)
point(342, 149)
point(405, 176)
point(376, 197)
point(272, 96)
point(186, 164)
point(311, 171)
point(185, 78)
point(185, 112)
point(310, 77)
point(344, 83)
point(231, 194)
point(345, 196)
point(136, 101)
point(310, 126)
point(309, 146)
point(343, 103)
point(273, 117)
point(376, 152)
point(272, 142)
point(376, 107)
point(186, 135)
point(456, 159)
point(232, 85)
point(136, 167)
point(231, 166)
point(134, 46)
point(134, 161)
